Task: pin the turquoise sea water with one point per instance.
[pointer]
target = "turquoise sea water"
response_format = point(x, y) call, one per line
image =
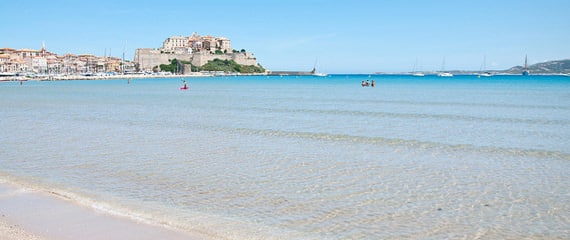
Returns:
point(302, 157)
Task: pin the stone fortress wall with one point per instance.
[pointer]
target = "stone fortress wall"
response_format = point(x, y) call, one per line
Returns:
point(195, 49)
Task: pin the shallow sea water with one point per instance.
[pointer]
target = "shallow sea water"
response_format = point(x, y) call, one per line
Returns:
point(302, 157)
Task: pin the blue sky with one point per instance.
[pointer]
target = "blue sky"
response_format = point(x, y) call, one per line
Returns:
point(340, 36)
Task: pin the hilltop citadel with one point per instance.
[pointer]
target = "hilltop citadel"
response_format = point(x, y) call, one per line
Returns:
point(195, 49)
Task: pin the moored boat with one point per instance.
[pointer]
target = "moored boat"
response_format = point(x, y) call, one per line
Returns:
point(525, 71)
point(485, 74)
point(445, 74)
point(418, 74)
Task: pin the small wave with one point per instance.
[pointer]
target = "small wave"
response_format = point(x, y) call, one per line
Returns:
point(404, 143)
point(376, 114)
point(23, 185)
point(464, 104)
point(200, 224)
point(341, 101)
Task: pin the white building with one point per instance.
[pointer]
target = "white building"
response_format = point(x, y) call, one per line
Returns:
point(174, 43)
point(39, 65)
point(195, 43)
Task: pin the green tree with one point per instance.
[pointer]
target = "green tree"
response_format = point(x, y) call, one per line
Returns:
point(231, 66)
point(173, 67)
point(166, 68)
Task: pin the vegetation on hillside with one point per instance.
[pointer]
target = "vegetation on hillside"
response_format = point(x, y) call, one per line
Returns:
point(177, 66)
point(217, 65)
point(549, 67)
point(173, 67)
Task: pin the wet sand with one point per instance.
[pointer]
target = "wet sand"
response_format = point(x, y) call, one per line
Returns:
point(32, 215)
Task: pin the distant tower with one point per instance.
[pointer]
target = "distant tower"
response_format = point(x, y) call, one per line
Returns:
point(43, 49)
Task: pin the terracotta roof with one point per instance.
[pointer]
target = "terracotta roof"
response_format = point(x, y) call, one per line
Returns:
point(28, 50)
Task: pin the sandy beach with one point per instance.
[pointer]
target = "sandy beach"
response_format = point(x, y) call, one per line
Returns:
point(10, 231)
point(32, 215)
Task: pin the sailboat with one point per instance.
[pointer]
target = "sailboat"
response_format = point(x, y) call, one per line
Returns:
point(485, 74)
point(483, 66)
point(443, 73)
point(318, 74)
point(525, 71)
point(417, 74)
point(315, 73)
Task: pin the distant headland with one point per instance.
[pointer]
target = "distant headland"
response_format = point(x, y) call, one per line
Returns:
point(554, 67)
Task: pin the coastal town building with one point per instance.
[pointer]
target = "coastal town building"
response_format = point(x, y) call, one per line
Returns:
point(195, 43)
point(176, 42)
point(196, 49)
point(43, 62)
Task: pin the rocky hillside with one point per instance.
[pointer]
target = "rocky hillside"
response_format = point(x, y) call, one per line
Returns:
point(550, 67)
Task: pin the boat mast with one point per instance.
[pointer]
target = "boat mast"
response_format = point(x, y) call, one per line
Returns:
point(525, 69)
point(105, 61)
point(314, 67)
point(123, 60)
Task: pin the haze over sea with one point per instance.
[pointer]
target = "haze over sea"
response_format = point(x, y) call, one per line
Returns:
point(302, 157)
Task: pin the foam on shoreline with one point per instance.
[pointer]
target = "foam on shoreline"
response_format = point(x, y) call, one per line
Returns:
point(37, 215)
